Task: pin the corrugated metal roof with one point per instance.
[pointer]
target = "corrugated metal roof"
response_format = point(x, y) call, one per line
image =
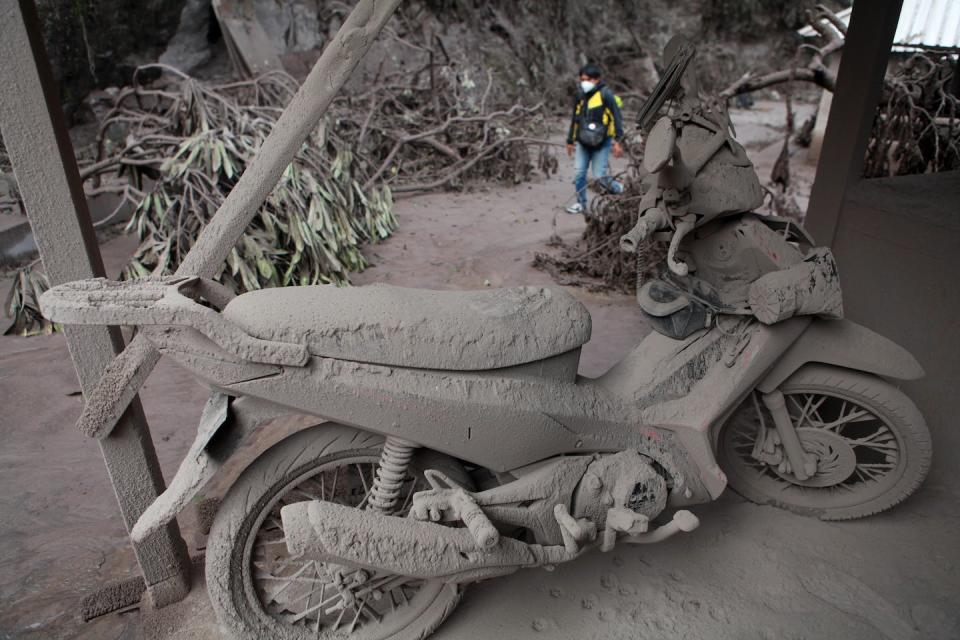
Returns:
point(923, 24)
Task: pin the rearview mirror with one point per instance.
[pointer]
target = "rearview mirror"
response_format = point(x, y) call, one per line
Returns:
point(659, 147)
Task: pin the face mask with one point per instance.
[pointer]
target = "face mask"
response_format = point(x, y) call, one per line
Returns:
point(587, 86)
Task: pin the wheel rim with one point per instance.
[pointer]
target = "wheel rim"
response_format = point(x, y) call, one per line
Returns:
point(318, 598)
point(860, 456)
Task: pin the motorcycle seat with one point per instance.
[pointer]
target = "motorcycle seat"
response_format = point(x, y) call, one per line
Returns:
point(419, 328)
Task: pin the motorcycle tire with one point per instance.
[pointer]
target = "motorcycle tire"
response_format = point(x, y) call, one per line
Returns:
point(886, 433)
point(282, 470)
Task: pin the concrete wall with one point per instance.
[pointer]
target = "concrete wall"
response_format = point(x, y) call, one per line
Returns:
point(898, 247)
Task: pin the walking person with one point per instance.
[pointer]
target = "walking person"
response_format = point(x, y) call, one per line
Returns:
point(596, 130)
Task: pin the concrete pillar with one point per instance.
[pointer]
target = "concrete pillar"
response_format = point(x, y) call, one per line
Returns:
point(859, 82)
point(35, 134)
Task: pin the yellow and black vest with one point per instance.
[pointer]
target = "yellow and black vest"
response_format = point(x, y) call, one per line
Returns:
point(594, 108)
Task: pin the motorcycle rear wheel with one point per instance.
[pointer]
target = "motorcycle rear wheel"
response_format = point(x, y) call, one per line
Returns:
point(887, 455)
point(257, 591)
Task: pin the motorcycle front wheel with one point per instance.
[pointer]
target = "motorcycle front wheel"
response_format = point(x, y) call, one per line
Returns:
point(872, 445)
point(259, 590)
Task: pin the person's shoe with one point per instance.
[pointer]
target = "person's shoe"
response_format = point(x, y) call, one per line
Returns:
point(575, 208)
point(610, 185)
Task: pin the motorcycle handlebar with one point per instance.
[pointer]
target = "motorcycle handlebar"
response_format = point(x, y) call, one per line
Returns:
point(632, 239)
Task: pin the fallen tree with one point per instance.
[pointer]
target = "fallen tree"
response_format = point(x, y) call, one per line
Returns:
point(809, 63)
point(338, 192)
point(917, 127)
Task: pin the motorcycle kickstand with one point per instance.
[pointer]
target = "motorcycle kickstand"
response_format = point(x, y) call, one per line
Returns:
point(802, 464)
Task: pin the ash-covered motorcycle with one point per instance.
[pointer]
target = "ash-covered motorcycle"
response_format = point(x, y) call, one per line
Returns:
point(461, 444)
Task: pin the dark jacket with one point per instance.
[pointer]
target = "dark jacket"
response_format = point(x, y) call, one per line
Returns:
point(600, 105)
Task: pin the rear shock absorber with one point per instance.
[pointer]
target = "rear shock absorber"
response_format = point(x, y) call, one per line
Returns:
point(641, 267)
point(391, 472)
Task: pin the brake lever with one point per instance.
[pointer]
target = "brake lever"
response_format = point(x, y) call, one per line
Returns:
point(684, 226)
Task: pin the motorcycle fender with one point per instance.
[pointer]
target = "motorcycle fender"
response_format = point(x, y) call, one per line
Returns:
point(197, 468)
point(226, 424)
point(846, 344)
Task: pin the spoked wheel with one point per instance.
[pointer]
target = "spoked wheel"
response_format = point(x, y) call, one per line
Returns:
point(871, 443)
point(258, 589)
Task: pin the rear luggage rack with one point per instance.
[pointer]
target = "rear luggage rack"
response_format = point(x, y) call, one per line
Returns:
point(163, 301)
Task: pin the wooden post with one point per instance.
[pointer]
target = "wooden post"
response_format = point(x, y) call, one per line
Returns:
point(863, 64)
point(35, 134)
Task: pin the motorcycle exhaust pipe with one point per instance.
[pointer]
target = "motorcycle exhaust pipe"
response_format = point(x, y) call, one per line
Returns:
point(334, 533)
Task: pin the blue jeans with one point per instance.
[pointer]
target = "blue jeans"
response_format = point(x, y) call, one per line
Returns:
point(599, 157)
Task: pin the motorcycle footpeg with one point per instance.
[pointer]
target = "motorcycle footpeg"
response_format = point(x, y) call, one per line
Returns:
point(683, 521)
point(621, 520)
point(450, 502)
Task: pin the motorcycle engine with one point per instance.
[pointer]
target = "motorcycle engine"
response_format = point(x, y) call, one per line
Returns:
point(627, 480)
